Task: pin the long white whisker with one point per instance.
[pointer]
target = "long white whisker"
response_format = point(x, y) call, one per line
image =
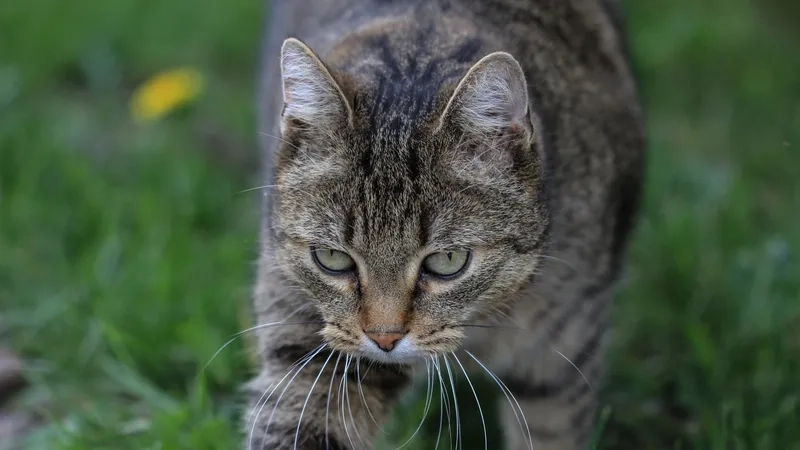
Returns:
point(291, 380)
point(504, 314)
point(428, 397)
point(480, 410)
point(562, 261)
point(258, 188)
point(441, 407)
point(350, 408)
point(443, 391)
point(361, 394)
point(272, 186)
point(270, 390)
point(253, 328)
point(328, 403)
point(576, 368)
point(259, 406)
point(459, 442)
point(303, 410)
point(341, 400)
point(294, 368)
point(509, 396)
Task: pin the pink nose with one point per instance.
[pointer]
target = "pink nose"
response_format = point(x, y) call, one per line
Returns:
point(385, 341)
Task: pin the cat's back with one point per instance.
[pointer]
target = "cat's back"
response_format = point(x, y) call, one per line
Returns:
point(560, 33)
point(569, 49)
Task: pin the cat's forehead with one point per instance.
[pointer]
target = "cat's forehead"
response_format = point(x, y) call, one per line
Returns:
point(386, 211)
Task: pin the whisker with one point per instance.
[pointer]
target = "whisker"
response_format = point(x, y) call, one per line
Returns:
point(566, 263)
point(277, 402)
point(441, 408)
point(547, 275)
point(341, 400)
point(369, 367)
point(274, 186)
point(459, 442)
point(576, 368)
point(257, 188)
point(257, 327)
point(361, 394)
point(347, 398)
point(428, 397)
point(503, 313)
point(328, 403)
point(303, 410)
point(271, 390)
point(259, 406)
point(443, 390)
point(480, 409)
point(503, 327)
point(289, 372)
point(509, 396)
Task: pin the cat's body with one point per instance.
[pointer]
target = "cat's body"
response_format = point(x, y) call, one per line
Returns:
point(389, 152)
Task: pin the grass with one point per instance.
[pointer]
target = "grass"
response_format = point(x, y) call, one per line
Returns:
point(126, 251)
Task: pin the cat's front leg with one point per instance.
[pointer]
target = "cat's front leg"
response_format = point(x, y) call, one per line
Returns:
point(558, 420)
point(318, 400)
point(557, 389)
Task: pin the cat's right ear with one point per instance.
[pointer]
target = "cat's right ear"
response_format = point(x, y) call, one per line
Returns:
point(311, 97)
point(491, 99)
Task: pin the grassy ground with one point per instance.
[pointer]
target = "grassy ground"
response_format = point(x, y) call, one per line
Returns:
point(126, 250)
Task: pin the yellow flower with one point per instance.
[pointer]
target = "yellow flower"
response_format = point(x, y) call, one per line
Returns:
point(164, 92)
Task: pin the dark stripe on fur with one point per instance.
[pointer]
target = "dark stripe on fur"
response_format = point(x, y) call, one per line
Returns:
point(524, 389)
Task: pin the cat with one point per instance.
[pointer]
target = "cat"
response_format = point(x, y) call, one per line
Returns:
point(450, 185)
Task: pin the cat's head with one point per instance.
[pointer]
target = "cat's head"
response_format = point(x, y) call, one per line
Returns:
point(402, 230)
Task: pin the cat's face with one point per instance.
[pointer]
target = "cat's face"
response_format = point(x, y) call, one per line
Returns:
point(402, 231)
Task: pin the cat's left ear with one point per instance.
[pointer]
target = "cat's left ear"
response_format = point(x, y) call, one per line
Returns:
point(311, 96)
point(491, 98)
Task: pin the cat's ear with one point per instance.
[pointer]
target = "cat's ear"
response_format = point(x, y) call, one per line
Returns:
point(310, 94)
point(491, 98)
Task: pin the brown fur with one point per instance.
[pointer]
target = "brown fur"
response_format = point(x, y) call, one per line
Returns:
point(510, 128)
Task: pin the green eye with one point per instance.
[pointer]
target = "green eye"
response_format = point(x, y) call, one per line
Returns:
point(446, 264)
point(332, 260)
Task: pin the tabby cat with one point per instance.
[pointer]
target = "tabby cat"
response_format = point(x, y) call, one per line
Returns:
point(450, 186)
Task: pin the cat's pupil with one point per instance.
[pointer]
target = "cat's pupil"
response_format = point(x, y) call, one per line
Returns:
point(450, 256)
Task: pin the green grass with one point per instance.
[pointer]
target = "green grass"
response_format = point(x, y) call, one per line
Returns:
point(126, 251)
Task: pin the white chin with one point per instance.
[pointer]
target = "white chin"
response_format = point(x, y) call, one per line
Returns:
point(404, 352)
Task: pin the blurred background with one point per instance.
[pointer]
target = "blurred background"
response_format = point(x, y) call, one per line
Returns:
point(127, 236)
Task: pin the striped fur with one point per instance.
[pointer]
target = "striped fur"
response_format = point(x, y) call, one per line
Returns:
point(394, 129)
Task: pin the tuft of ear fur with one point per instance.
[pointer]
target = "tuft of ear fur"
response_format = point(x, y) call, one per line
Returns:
point(310, 94)
point(491, 98)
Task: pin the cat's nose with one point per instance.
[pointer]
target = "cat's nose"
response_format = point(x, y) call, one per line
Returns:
point(385, 341)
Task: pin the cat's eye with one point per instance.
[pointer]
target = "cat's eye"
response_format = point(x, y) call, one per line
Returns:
point(446, 264)
point(333, 260)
